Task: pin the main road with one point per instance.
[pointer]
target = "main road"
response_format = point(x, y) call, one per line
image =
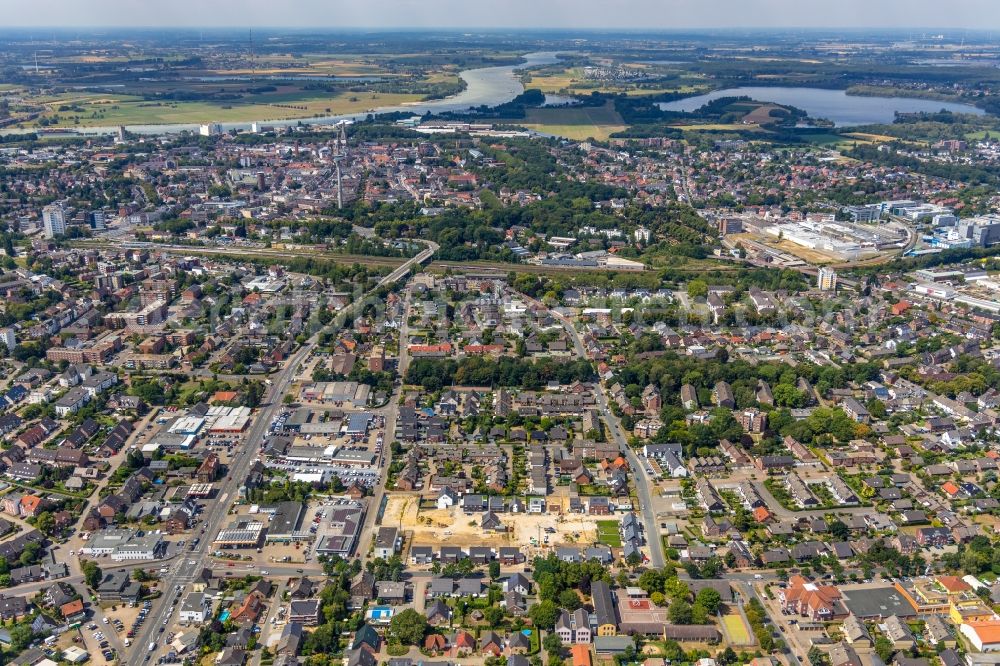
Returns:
point(642, 481)
point(189, 564)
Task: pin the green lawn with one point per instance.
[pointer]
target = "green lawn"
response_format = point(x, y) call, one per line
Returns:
point(593, 490)
point(607, 533)
point(536, 641)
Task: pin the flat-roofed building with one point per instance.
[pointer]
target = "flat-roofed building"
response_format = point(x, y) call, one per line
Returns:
point(285, 521)
point(241, 533)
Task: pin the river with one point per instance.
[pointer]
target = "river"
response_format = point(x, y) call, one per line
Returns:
point(834, 105)
point(486, 85)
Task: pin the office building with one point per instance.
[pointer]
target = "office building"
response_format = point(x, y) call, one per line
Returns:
point(98, 221)
point(983, 231)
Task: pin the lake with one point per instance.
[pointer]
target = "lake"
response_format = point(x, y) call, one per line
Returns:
point(834, 105)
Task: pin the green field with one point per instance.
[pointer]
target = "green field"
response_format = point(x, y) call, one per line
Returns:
point(105, 110)
point(607, 533)
point(577, 122)
point(573, 81)
point(736, 629)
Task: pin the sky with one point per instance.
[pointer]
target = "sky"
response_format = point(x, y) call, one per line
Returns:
point(582, 14)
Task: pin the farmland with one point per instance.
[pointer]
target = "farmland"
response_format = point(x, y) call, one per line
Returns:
point(103, 110)
point(576, 122)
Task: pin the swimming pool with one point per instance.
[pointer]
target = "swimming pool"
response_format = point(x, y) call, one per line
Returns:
point(380, 612)
point(223, 616)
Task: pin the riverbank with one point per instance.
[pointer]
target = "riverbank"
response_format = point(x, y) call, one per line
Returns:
point(485, 86)
point(889, 91)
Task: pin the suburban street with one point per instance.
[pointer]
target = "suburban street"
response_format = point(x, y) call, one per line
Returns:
point(645, 510)
point(188, 565)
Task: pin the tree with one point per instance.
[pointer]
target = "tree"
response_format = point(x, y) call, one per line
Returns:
point(30, 554)
point(679, 612)
point(698, 614)
point(876, 408)
point(675, 588)
point(697, 288)
point(553, 644)
point(569, 600)
point(652, 580)
point(20, 636)
point(92, 574)
point(254, 395)
point(884, 649)
point(134, 459)
point(544, 614)
point(45, 522)
point(840, 530)
point(493, 615)
point(710, 599)
point(494, 569)
point(712, 568)
point(787, 396)
point(408, 627)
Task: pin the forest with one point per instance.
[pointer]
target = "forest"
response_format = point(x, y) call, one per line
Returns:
point(435, 374)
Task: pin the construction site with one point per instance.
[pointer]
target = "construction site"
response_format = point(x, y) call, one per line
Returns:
point(533, 533)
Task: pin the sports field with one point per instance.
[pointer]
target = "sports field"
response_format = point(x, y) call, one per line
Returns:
point(735, 629)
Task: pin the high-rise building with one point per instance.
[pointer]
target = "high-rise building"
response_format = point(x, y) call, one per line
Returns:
point(730, 225)
point(54, 219)
point(827, 280)
point(97, 220)
point(7, 338)
point(210, 129)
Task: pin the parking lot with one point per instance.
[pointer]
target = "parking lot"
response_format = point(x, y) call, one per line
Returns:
point(95, 638)
point(317, 469)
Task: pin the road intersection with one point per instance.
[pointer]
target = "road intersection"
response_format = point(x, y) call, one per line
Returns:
point(188, 565)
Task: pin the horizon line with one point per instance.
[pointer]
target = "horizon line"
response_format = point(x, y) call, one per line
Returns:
point(637, 29)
